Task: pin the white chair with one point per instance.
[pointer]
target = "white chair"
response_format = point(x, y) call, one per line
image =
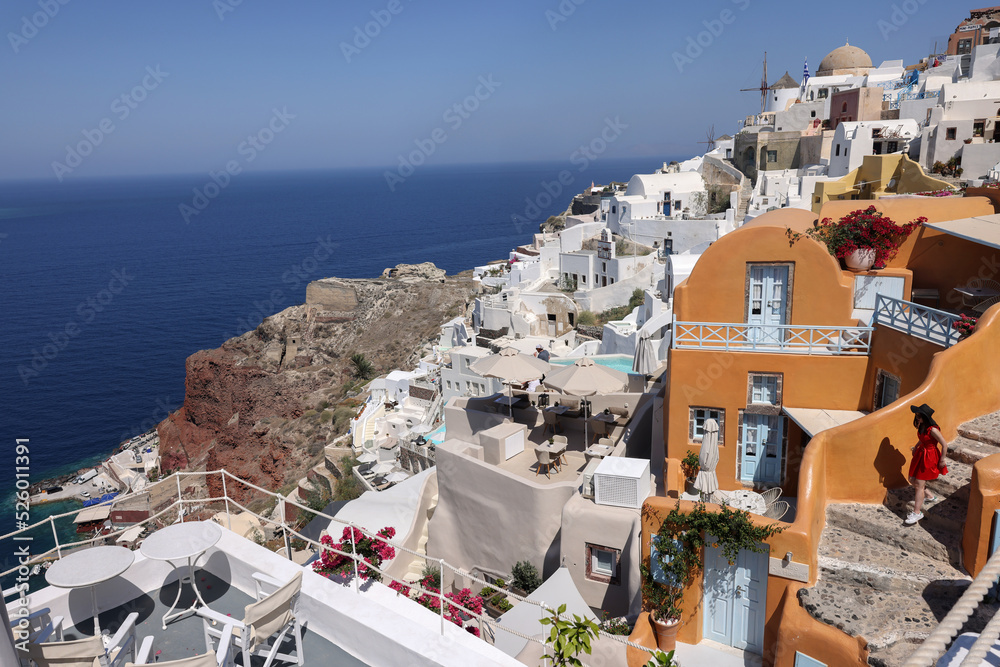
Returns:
point(86, 652)
point(210, 659)
point(777, 509)
point(771, 495)
point(544, 459)
point(272, 614)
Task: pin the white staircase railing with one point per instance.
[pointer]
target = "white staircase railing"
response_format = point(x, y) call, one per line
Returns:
point(929, 324)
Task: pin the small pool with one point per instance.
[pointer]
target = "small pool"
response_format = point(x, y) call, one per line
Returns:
point(437, 435)
point(619, 362)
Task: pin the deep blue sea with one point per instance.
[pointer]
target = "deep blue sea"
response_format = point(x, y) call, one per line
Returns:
point(107, 289)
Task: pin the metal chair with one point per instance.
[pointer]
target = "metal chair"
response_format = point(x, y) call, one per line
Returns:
point(985, 304)
point(544, 459)
point(771, 495)
point(971, 301)
point(86, 652)
point(272, 614)
point(777, 510)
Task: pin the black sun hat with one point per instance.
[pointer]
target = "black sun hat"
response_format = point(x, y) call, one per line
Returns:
point(926, 411)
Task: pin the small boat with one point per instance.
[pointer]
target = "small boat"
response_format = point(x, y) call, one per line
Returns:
point(36, 570)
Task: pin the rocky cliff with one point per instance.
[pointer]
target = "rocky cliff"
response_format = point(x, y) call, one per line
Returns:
point(261, 406)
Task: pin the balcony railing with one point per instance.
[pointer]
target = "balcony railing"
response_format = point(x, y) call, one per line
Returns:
point(778, 338)
point(929, 324)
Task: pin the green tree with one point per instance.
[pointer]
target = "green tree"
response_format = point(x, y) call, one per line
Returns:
point(362, 368)
point(568, 638)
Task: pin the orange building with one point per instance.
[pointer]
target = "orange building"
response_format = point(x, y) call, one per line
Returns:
point(809, 370)
point(982, 27)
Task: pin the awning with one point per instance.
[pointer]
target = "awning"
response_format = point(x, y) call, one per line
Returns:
point(816, 420)
point(981, 229)
point(99, 513)
point(130, 535)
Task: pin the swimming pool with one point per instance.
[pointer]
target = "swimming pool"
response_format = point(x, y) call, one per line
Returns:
point(437, 435)
point(619, 362)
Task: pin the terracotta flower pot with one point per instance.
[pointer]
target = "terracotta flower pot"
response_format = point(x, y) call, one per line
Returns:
point(666, 633)
point(861, 259)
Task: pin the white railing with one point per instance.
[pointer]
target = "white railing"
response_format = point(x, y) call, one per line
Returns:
point(181, 506)
point(929, 324)
point(779, 338)
point(934, 646)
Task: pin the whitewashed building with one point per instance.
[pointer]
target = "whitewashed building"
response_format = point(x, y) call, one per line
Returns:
point(853, 141)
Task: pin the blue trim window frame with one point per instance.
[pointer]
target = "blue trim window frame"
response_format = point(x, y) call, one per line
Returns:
point(803, 660)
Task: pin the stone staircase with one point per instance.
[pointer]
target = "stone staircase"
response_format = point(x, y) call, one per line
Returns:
point(416, 569)
point(891, 583)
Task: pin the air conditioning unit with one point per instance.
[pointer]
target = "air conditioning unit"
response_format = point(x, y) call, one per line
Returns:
point(588, 478)
point(622, 482)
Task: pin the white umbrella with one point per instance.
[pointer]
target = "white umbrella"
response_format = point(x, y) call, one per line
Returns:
point(511, 367)
point(708, 459)
point(421, 429)
point(382, 468)
point(397, 476)
point(645, 361)
point(367, 457)
point(586, 378)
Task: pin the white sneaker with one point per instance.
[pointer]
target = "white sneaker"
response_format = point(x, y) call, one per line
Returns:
point(913, 517)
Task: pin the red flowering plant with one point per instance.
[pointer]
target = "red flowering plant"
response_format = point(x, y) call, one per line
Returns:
point(459, 609)
point(965, 326)
point(372, 552)
point(860, 229)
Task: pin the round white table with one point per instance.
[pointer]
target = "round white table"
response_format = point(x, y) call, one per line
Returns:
point(182, 541)
point(744, 499)
point(87, 568)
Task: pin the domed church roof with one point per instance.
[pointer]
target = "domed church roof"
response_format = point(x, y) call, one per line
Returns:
point(846, 57)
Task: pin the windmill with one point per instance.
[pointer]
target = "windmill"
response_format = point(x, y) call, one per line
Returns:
point(763, 87)
point(711, 139)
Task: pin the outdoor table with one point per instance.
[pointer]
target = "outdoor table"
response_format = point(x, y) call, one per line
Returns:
point(558, 409)
point(980, 293)
point(556, 449)
point(87, 568)
point(744, 499)
point(598, 451)
point(606, 418)
point(182, 541)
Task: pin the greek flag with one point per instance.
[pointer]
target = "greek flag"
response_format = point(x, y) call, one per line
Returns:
point(805, 72)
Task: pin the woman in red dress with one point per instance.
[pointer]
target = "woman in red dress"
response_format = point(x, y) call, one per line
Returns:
point(928, 462)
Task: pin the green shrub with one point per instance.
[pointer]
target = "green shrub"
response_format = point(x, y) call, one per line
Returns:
point(524, 575)
point(362, 368)
point(587, 319)
point(348, 487)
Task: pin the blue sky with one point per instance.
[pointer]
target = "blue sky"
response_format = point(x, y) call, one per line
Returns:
point(559, 69)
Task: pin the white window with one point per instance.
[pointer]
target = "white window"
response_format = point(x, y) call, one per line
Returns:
point(697, 419)
point(602, 562)
point(764, 390)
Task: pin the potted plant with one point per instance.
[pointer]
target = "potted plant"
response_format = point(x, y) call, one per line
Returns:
point(862, 238)
point(677, 558)
point(965, 326)
point(690, 465)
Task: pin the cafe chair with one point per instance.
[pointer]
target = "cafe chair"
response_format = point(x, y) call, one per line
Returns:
point(564, 441)
point(544, 459)
point(771, 495)
point(599, 429)
point(986, 304)
point(777, 510)
point(86, 652)
point(551, 422)
point(272, 614)
point(210, 659)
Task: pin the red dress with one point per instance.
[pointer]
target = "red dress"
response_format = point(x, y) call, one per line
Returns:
point(926, 457)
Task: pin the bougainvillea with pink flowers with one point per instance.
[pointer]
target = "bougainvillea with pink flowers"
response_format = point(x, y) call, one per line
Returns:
point(372, 551)
point(457, 609)
point(965, 326)
point(867, 228)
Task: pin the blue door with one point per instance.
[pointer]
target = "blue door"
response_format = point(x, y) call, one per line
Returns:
point(666, 203)
point(735, 598)
point(762, 445)
point(766, 304)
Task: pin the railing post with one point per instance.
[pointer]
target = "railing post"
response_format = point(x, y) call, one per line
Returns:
point(354, 558)
point(441, 591)
point(180, 499)
point(225, 494)
point(284, 528)
point(55, 535)
point(541, 613)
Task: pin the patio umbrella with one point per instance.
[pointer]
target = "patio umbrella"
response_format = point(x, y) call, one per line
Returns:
point(421, 429)
point(382, 468)
point(708, 459)
point(645, 361)
point(367, 457)
point(511, 367)
point(397, 476)
point(586, 378)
